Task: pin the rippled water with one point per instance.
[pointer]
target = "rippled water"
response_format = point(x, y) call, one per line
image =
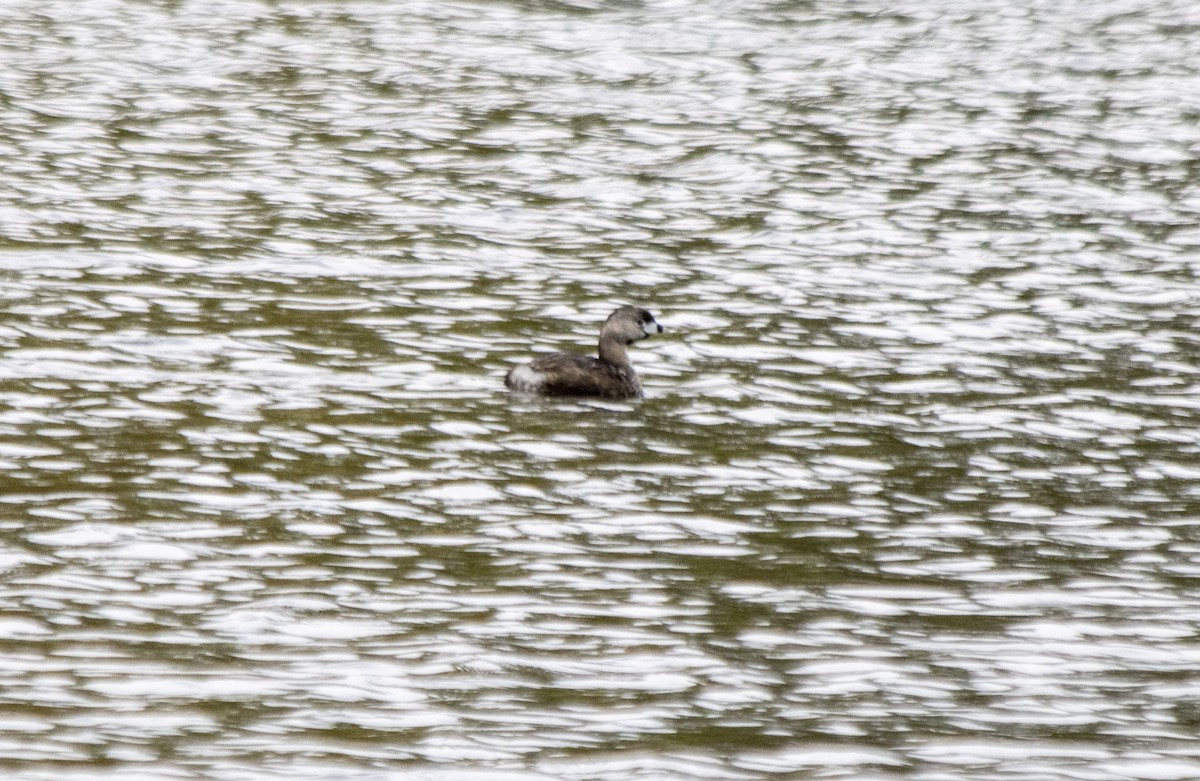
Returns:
point(913, 493)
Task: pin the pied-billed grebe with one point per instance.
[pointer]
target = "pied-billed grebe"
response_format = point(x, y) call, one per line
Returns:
point(611, 375)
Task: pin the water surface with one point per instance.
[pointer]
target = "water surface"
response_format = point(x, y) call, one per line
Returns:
point(913, 493)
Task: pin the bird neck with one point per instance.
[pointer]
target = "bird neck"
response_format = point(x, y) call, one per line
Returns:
point(612, 350)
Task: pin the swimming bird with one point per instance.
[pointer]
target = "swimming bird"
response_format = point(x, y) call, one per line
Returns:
point(610, 376)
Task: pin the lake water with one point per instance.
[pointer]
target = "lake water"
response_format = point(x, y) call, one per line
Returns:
point(914, 492)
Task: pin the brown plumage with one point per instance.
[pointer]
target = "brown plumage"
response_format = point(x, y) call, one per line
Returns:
point(610, 376)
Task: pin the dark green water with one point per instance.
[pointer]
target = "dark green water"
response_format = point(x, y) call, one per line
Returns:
point(913, 493)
